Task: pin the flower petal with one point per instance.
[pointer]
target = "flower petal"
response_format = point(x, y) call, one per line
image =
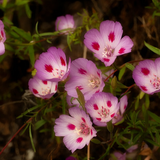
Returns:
point(111, 32)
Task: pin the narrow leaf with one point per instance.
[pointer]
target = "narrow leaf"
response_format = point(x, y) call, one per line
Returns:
point(152, 48)
point(129, 66)
point(121, 72)
point(81, 99)
point(154, 116)
point(39, 123)
point(31, 138)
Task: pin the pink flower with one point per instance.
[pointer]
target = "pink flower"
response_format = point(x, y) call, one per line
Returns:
point(147, 76)
point(76, 129)
point(119, 156)
point(102, 107)
point(42, 89)
point(85, 76)
point(107, 43)
point(52, 65)
point(71, 158)
point(64, 22)
point(2, 38)
point(123, 105)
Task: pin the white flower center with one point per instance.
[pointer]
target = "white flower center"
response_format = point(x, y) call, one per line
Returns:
point(104, 112)
point(84, 129)
point(46, 90)
point(94, 82)
point(58, 73)
point(107, 52)
point(155, 82)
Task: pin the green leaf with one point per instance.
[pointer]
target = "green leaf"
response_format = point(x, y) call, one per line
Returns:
point(152, 142)
point(2, 57)
point(114, 82)
point(25, 128)
point(141, 94)
point(152, 48)
point(31, 138)
point(80, 98)
point(110, 126)
point(31, 55)
point(39, 123)
point(121, 72)
point(4, 3)
point(29, 110)
point(22, 33)
point(147, 101)
point(136, 104)
point(129, 66)
point(96, 141)
point(154, 116)
point(44, 130)
point(28, 11)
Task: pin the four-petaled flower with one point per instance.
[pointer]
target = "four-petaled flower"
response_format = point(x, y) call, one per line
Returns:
point(76, 129)
point(65, 22)
point(107, 43)
point(2, 38)
point(102, 107)
point(122, 107)
point(147, 76)
point(42, 89)
point(52, 65)
point(85, 76)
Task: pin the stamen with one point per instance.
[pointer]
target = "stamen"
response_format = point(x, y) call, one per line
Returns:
point(104, 112)
point(94, 82)
point(46, 90)
point(155, 82)
point(84, 129)
point(107, 52)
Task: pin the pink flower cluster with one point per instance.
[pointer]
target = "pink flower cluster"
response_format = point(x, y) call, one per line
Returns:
point(83, 74)
point(51, 68)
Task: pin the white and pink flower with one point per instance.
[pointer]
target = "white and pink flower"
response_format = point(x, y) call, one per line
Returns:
point(64, 22)
point(2, 38)
point(52, 65)
point(102, 107)
point(122, 107)
point(85, 76)
point(42, 89)
point(107, 43)
point(76, 129)
point(147, 76)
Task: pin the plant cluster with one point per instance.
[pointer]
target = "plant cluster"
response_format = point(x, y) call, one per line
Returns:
point(89, 98)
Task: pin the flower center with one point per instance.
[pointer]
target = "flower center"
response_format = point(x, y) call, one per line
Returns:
point(1, 38)
point(107, 51)
point(58, 73)
point(46, 90)
point(155, 82)
point(94, 82)
point(104, 112)
point(84, 129)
